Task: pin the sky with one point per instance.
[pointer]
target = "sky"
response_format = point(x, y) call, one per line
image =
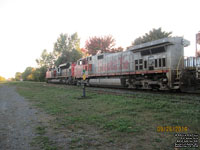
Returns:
point(27, 27)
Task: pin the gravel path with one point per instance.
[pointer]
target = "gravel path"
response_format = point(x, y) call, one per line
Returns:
point(17, 120)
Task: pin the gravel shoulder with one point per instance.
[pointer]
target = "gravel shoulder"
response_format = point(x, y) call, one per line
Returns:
point(17, 120)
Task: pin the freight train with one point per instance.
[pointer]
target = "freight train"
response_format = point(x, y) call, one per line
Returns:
point(157, 65)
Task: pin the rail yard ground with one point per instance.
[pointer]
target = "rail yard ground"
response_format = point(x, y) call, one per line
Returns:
point(105, 120)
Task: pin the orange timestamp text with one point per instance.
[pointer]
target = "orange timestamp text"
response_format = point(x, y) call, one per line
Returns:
point(172, 128)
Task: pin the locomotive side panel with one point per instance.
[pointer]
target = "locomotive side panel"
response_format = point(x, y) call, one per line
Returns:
point(126, 62)
point(94, 65)
point(114, 63)
point(131, 61)
point(78, 71)
point(119, 63)
point(109, 64)
point(104, 65)
point(100, 59)
point(73, 70)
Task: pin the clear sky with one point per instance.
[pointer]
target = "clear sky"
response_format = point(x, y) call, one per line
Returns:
point(29, 26)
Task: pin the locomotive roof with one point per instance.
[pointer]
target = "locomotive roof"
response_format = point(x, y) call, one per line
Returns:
point(64, 65)
point(160, 42)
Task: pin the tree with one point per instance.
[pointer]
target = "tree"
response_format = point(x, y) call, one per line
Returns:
point(39, 74)
point(27, 74)
point(67, 49)
point(84, 52)
point(154, 34)
point(2, 78)
point(118, 49)
point(46, 59)
point(18, 76)
point(105, 44)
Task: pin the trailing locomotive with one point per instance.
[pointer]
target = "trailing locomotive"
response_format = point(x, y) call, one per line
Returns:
point(157, 65)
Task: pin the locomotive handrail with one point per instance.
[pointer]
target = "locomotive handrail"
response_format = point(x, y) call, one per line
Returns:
point(192, 62)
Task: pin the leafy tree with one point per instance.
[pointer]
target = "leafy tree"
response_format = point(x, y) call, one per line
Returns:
point(46, 59)
point(67, 49)
point(105, 44)
point(84, 52)
point(68, 56)
point(27, 74)
point(18, 76)
point(42, 75)
point(118, 49)
point(61, 44)
point(12, 79)
point(2, 78)
point(39, 74)
point(154, 34)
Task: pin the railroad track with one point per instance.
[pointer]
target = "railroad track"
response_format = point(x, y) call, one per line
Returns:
point(184, 97)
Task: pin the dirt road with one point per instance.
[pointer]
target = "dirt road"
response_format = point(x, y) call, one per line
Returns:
point(17, 120)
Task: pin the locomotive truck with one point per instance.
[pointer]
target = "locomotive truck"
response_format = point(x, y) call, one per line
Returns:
point(158, 64)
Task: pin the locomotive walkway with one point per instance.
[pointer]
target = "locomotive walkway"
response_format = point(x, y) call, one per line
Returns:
point(17, 120)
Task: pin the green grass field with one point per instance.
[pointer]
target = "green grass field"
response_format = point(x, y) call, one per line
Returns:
point(110, 121)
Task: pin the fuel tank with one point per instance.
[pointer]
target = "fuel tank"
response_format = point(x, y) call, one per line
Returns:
point(111, 82)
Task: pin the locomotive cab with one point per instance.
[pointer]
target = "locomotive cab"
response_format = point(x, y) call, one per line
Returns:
point(83, 66)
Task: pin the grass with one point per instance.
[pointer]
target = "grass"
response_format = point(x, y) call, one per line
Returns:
point(42, 141)
point(111, 119)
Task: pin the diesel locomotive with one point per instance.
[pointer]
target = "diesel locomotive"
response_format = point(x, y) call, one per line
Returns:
point(158, 65)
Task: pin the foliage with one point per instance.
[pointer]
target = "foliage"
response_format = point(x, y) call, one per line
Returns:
point(39, 74)
point(67, 49)
point(154, 34)
point(84, 52)
point(13, 79)
point(118, 49)
point(2, 78)
point(68, 56)
point(46, 59)
point(105, 44)
point(27, 74)
point(33, 74)
point(18, 76)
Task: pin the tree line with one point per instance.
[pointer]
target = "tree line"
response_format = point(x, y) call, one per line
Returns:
point(2, 78)
point(67, 49)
